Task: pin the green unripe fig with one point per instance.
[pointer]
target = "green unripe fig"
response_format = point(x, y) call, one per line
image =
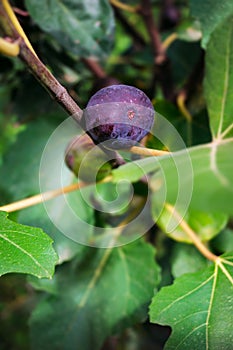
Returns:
point(86, 160)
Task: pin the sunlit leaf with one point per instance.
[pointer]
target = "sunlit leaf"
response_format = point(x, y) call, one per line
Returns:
point(203, 173)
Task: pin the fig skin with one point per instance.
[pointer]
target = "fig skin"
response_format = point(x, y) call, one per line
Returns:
point(118, 116)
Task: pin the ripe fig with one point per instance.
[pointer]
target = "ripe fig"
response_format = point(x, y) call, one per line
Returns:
point(118, 115)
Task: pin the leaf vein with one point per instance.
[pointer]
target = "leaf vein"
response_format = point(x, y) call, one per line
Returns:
point(26, 253)
point(211, 304)
point(187, 294)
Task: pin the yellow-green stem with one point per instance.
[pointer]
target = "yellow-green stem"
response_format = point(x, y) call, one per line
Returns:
point(45, 196)
point(191, 234)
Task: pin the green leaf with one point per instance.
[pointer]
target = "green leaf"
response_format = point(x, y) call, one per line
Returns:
point(107, 291)
point(37, 216)
point(224, 241)
point(210, 13)
point(84, 28)
point(189, 31)
point(219, 80)
point(206, 225)
point(198, 307)
point(25, 249)
point(8, 132)
point(185, 259)
point(184, 56)
point(192, 133)
point(25, 156)
point(205, 169)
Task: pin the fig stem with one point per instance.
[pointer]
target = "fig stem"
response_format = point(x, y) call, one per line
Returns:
point(169, 40)
point(191, 234)
point(181, 99)
point(46, 196)
point(144, 151)
point(125, 7)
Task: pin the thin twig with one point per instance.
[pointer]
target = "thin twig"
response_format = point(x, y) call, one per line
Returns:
point(94, 66)
point(147, 15)
point(162, 70)
point(125, 7)
point(180, 100)
point(39, 198)
point(191, 234)
point(45, 196)
point(144, 151)
point(169, 40)
point(16, 27)
point(12, 28)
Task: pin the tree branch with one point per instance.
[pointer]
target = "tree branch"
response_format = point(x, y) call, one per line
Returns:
point(12, 28)
point(162, 69)
point(147, 15)
point(94, 66)
point(46, 196)
point(38, 69)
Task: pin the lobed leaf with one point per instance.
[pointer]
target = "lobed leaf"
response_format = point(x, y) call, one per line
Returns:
point(25, 249)
point(205, 169)
point(219, 80)
point(108, 290)
point(210, 13)
point(84, 28)
point(206, 225)
point(38, 217)
point(185, 258)
point(25, 156)
point(198, 307)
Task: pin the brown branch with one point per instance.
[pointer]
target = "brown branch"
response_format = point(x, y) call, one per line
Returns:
point(147, 15)
point(20, 12)
point(102, 78)
point(50, 83)
point(39, 70)
point(162, 70)
point(12, 28)
point(94, 66)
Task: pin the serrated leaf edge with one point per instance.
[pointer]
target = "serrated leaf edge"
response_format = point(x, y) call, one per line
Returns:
point(24, 251)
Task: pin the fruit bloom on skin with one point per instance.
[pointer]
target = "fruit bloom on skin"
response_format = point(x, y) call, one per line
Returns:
point(118, 116)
